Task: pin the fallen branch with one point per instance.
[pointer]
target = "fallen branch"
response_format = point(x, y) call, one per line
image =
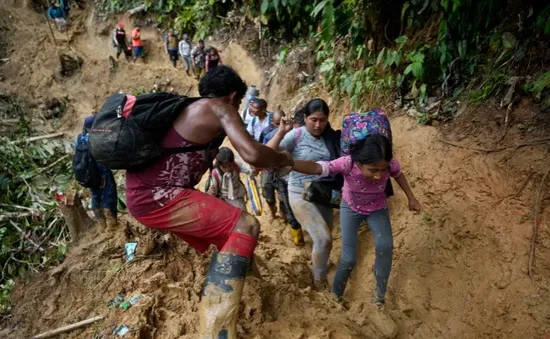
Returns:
point(69, 327)
point(40, 137)
point(491, 150)
point(17, 215)
point(535, 225)
point(26, 237)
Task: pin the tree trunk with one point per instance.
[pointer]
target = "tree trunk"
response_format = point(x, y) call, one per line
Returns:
point(75, 215)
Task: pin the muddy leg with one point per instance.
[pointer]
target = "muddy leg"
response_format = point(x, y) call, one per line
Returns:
point(223, 288)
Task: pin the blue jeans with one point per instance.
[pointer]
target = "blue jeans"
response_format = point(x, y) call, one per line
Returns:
point(380, 226)
point(105, 196)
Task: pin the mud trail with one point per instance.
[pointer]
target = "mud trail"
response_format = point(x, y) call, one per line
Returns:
point(459, 269)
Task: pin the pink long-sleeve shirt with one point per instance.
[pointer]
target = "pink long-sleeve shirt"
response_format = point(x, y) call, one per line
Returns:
point(360, 194)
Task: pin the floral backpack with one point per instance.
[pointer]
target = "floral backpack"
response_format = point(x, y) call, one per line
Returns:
point(358, 126)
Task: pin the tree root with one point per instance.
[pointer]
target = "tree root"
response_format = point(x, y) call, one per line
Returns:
point(535, 225)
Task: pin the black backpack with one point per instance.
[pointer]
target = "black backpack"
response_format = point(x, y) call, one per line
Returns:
point(84, 166)
point(127, 131)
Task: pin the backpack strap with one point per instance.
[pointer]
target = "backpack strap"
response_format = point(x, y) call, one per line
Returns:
point(298, 135)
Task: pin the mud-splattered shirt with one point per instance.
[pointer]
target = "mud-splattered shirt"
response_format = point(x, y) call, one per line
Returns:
point(152, 188)
point(362, 195)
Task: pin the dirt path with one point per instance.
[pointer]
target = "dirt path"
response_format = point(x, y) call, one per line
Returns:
point(459, 269)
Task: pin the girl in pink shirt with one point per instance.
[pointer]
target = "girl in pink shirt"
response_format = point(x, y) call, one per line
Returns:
point(366, 172)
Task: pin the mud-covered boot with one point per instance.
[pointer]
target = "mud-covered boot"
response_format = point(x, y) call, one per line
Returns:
point(382, 321)
point(320, 284)
point(221, 295)
point(343, 271)
point(297, 236)
point(100, 222)
point(111, 221)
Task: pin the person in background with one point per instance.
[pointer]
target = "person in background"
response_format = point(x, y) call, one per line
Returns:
point(213, 59)
point(225, 181)
point(119, 40)
point(252, 92)
point(185, 52)
point(66, 8)
point(198, 58)
point(261, 119)
point(136, 42)
point(104, 197)
point(298, 120)
point(171, 46)
point(279, 182)
point(56, 14)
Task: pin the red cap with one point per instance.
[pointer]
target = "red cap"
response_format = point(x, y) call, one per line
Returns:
point(121, 24)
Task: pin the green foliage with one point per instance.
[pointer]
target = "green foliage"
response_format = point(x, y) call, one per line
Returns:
point(537, 87)
point(32, 230)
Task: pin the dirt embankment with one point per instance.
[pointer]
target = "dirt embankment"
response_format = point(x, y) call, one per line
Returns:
point(459, 270)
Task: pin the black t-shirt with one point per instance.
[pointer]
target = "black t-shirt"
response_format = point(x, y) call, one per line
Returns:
point(120, 36)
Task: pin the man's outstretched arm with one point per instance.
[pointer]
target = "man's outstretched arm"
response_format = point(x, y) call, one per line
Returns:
point(249, 149)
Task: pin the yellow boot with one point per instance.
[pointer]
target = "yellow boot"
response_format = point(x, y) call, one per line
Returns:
point(297, 236)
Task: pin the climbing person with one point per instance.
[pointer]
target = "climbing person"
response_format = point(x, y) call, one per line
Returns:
point(171, 46)
point(279, 182)
point(315, 141)
point(119, 40)
point(55, 13)
point(252, 92)
point(162, 196)
point(185, 52)
point(136, 42)
point(213, 59)
point(261, 119)
point(198, 58)
point(225, 181)
point(99, 180)
point(65, 7)
point(366, 172)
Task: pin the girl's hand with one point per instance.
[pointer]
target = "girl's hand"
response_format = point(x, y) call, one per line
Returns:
point(414, 205)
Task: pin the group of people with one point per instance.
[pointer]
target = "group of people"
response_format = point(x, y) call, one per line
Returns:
point(197, 59)
point(59, 13)
point(225, 180)
point(122, 45)
point(162, 195)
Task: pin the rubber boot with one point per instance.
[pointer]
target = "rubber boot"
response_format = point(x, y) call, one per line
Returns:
point(100, 219)
point(111, 221)
point(343, 271)
point(297, 236)
point(221, 295)
point(382, 321)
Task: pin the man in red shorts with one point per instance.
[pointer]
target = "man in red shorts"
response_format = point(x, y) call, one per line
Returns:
point(161, 196)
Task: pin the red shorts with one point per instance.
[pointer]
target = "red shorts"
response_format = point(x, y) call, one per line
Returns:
point(198, 218)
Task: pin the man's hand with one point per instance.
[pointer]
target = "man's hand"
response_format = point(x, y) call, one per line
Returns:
point(253, 172)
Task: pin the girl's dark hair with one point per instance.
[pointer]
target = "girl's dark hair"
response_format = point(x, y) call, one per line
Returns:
point(316, 105)
point(224, 156)
point(372, 149)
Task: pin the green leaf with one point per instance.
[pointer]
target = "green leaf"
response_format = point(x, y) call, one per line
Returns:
point(327, 65)
point(402, 39)
point(328, 23)
point(318, 8)
point(406, 6)
point(408, 69)
point(265, 6)
point(283, 54)
point(380, 56)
